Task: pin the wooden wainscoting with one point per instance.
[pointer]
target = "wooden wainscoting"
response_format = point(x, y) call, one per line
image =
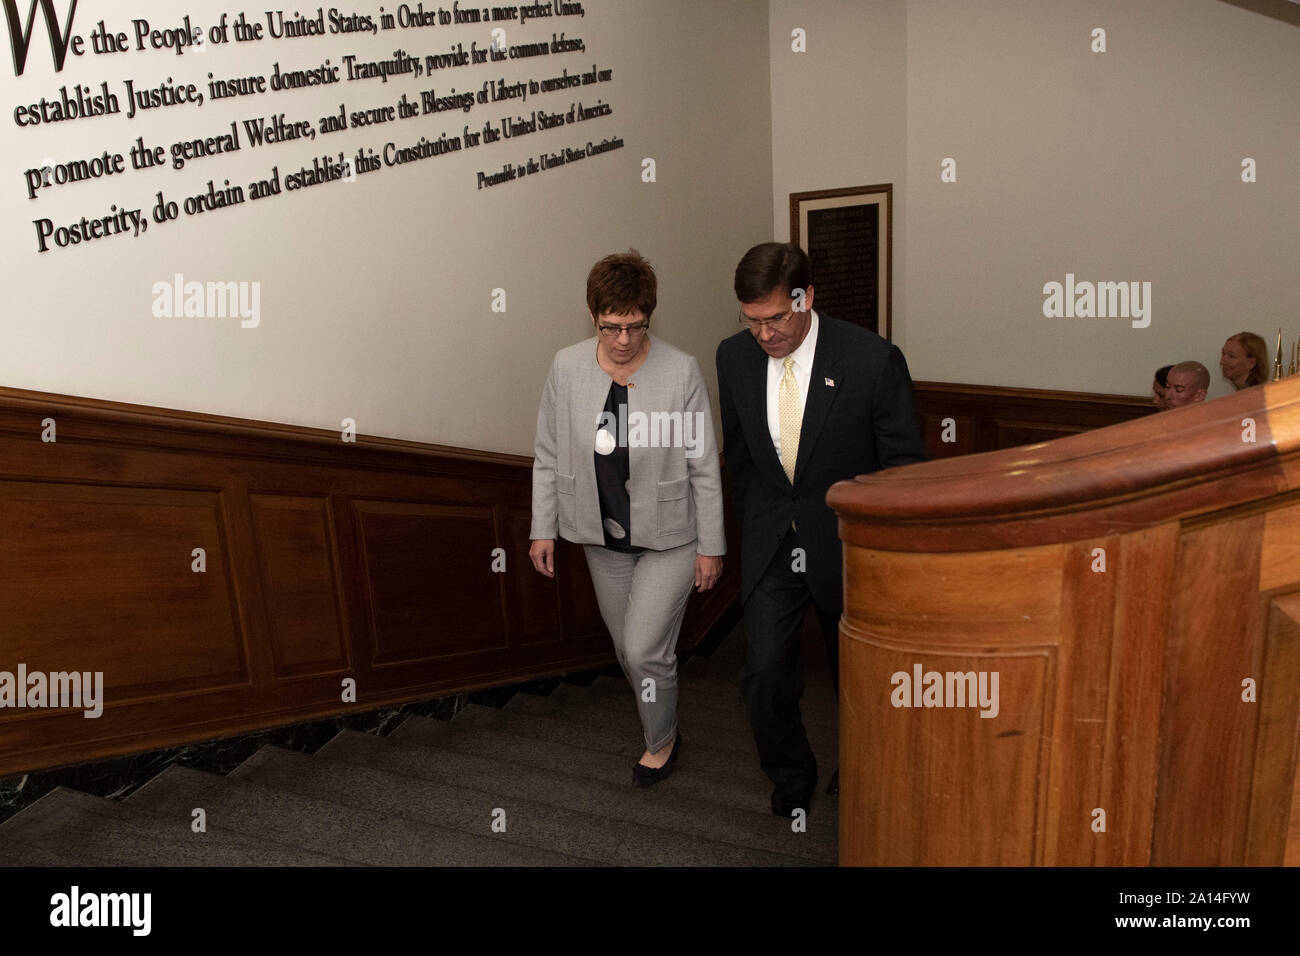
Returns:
point(323, 561)
point(980, 418)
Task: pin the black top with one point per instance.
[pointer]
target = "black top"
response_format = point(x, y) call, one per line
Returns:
point(613, 470)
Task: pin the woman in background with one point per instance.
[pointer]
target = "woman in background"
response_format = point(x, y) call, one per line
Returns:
point(647, 508)
point(1244, 360)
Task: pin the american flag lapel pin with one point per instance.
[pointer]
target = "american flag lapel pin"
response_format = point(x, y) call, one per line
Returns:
point(830, 383)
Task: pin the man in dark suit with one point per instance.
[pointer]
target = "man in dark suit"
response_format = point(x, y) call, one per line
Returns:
point(806, 401)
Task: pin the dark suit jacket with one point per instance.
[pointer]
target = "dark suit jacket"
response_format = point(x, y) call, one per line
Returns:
point(863, 422)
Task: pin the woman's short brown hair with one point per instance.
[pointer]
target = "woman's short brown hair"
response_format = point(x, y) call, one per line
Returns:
point(622, 284)
point(1256, 348)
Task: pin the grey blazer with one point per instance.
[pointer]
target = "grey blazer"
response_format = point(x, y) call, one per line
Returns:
point(675, 486)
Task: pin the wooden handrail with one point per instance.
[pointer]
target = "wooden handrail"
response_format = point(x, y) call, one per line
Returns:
point(1128, 600)
point(1181, 462)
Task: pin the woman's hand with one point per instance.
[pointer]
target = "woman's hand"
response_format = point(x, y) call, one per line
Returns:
point(707, 571)
point(542, 553)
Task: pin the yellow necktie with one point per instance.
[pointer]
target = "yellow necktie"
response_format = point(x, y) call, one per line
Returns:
point(791, 419)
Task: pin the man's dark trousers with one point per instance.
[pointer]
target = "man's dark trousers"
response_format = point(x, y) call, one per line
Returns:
point(773, 681)
point(859, 417)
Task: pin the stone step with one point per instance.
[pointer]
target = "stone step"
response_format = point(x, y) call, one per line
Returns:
point(621, 714)
point(472, 810)
point(98, 832)
point(695, 705)
point(359, 835)
point(660, 806)
point(490, 736)
point(737, 740)
point(700, 754)
point(19, 854)
point(626, 741)
point(559, 767)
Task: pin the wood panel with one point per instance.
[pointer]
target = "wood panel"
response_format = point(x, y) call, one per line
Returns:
point(1212, 647)
point(1078, 737)
point(298, 563)
point(1009, 434)
point(948, 435)
point(1132, 720)
point(971, 763)
point(905, 596)
point(325, 559)
point(1275, 788)
point(429, 587)
point(967, 419)
point(85, 570)
point(1279, 554)
point(532, 602)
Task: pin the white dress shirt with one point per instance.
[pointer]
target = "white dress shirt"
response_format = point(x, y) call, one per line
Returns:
point(803, 363)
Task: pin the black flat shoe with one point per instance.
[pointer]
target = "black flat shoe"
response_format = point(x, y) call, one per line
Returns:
point(643, 776)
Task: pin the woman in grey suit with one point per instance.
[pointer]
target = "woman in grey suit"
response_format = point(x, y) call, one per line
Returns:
point(627, 465)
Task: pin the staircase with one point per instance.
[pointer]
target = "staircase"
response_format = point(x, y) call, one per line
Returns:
point(553, 773)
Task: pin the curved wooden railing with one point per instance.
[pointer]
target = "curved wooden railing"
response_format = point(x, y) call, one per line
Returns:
point(1123, 606)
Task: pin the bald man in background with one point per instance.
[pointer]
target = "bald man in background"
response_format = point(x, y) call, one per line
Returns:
point(1188, 382)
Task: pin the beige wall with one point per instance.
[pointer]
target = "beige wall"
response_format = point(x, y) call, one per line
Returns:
point(376, 295)
point(1116, 166)
point(839, 110)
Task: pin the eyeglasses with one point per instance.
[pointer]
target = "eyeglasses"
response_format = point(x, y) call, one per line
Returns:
point(613, 331)
point(757, 325)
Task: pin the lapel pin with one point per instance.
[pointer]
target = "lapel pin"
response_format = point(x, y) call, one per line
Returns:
point(830, 383)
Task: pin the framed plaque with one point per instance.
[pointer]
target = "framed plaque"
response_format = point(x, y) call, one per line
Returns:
point(848, 234)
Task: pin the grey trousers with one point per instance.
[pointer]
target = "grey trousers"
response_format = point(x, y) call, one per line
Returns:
point(642, 598)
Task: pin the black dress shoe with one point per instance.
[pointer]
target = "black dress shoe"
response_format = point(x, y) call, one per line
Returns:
point(643, 776)
point(784, 805)
point(833, 787)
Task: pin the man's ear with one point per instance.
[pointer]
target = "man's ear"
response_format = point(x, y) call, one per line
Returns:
point(801, 300)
